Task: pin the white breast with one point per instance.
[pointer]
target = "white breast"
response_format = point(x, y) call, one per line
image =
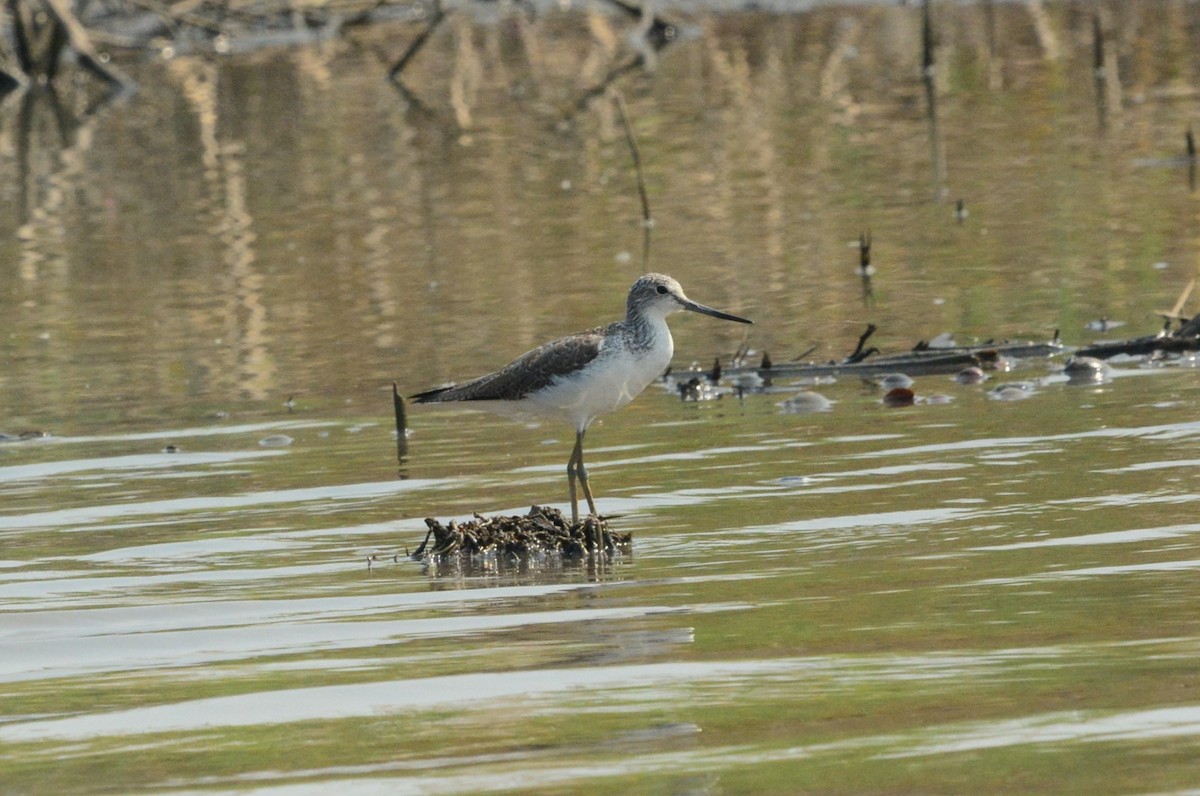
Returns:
point(614, 378)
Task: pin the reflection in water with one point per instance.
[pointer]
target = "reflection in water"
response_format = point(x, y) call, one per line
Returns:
point(367, 224)
point(50, 146)
point(242, 314)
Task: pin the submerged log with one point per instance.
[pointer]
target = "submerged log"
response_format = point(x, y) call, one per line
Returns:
point(1142, 346)
point(541, 531)
point(921, 361)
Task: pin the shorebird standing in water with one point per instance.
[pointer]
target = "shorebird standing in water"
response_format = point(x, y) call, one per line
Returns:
point(582, 376)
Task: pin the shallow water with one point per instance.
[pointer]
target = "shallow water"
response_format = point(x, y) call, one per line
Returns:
point(965, 595)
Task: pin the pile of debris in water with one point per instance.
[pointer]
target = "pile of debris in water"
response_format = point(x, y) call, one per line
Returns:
point(542, 531)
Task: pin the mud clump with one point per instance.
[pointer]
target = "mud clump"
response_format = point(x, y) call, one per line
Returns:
point(542, 531)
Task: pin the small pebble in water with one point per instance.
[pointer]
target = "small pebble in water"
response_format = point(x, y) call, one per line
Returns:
point(804, 403)
point(1011, 392)
point(894, 380)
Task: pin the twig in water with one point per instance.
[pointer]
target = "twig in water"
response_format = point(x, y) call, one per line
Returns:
point(401, 424)
point(865, 269)
point(1098, 71)
point(1175, 313)
point(1191, 159)
point(859, 352)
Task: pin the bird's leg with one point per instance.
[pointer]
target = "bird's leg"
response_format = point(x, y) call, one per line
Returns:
point(581, 473)
point(576, 455)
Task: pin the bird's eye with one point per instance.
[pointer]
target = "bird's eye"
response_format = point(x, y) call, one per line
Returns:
point(662, 290)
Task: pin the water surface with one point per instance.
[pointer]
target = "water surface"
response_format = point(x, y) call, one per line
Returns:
point(204, 310)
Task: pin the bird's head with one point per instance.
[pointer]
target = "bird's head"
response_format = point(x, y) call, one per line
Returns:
point(658, 295)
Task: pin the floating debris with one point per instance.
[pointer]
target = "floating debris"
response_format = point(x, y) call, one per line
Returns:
point(939, 355)
point(24, 436)
point(747, 382)
point(542, 531)
point(1103, 325)
point(992, 359)
point(1179, 341)
point(696, 389)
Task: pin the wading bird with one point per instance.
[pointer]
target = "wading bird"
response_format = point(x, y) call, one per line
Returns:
point(582, 376)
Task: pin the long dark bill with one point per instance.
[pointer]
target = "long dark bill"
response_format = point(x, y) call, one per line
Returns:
point(703, 310)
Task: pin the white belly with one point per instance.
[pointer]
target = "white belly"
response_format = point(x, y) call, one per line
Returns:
point(605, 385)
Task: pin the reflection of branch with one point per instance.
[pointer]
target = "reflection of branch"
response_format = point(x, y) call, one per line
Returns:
point(659, 32)
point(78, 37)
point(21, 46)
point(647, 220)
point(419, 42)
point(8, 84)
point(927, 76)
point(424, 111)
point(637, 157)
point(609, 79)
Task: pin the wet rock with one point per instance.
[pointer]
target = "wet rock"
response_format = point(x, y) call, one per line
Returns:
point(806, 402)
point(1086, 370)
point(1012, 392)
point(899, 396)
point(971, 375)
point(893, 380)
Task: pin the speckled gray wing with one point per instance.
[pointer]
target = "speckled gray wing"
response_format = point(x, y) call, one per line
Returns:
point(528, 373)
